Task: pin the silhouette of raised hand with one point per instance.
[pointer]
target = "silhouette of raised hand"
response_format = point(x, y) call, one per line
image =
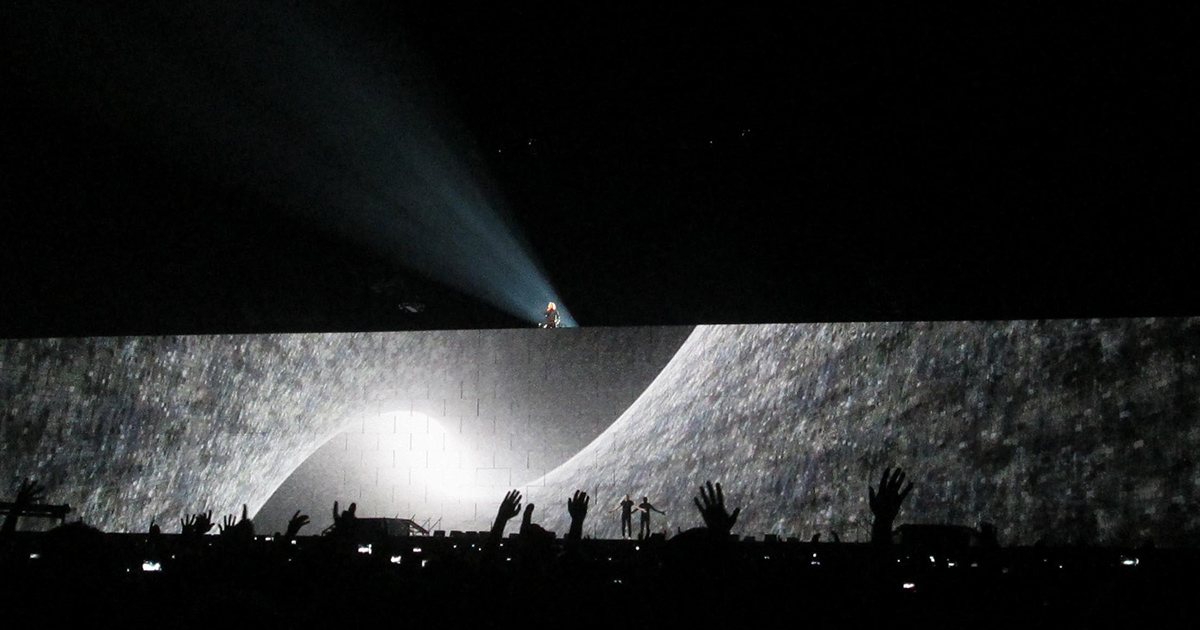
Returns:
point(577, 506)
point(885, 504)
point(204, 522)
point(347, 517)
point(533, 536)
point(345, 522)
point(297, 521)
point(29, 493)
point(509, 507)
point(243, 529)
point(154, 528)
point(527, 519)
point(716, 519)
point(197, 524)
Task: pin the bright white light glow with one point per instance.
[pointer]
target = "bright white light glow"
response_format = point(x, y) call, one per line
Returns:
point(150, 565)
point(432, 460)
point(364, 549)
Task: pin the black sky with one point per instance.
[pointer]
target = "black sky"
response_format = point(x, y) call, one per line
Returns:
point(668, 166)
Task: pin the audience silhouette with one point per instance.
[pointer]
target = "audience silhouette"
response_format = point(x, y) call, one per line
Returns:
point(900, 574)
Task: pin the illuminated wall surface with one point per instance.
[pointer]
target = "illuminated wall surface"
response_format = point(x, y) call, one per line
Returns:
point(1063, 430)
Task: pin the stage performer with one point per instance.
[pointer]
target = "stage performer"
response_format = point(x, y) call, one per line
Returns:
point(645, 507)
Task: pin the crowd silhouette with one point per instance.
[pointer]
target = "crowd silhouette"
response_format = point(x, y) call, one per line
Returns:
point(706, 574)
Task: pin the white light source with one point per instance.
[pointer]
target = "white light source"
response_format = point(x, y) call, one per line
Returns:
point(396, 559)
point(150, 565)
point(364, 549)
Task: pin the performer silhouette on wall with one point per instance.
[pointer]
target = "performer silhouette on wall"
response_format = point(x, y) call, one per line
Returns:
point(645, 507)
point(626, 507)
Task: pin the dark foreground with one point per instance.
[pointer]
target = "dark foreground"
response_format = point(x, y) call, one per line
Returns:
point(446, 581)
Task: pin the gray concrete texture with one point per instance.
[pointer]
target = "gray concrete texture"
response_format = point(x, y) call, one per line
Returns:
point(1067, 431)
point(1072, 431)
point(127, 430)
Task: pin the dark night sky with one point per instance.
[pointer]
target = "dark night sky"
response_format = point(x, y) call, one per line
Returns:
point(667, 166)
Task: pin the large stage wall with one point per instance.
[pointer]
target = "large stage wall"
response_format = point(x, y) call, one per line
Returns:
point(130, 429)
point(1068, 431)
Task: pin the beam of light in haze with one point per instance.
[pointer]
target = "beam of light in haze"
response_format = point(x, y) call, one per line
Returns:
point(313, 107)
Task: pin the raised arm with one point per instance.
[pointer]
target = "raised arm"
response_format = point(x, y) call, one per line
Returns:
point(509, 507)
point(577, 507)
point(346, 522)
point(718, 521)
point(239, 531)
point(297, 521)
point(885, 505)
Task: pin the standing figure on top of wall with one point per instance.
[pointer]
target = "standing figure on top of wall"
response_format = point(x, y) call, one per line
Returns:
point(626, 507)
point(645, 507)
point(551, 318)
